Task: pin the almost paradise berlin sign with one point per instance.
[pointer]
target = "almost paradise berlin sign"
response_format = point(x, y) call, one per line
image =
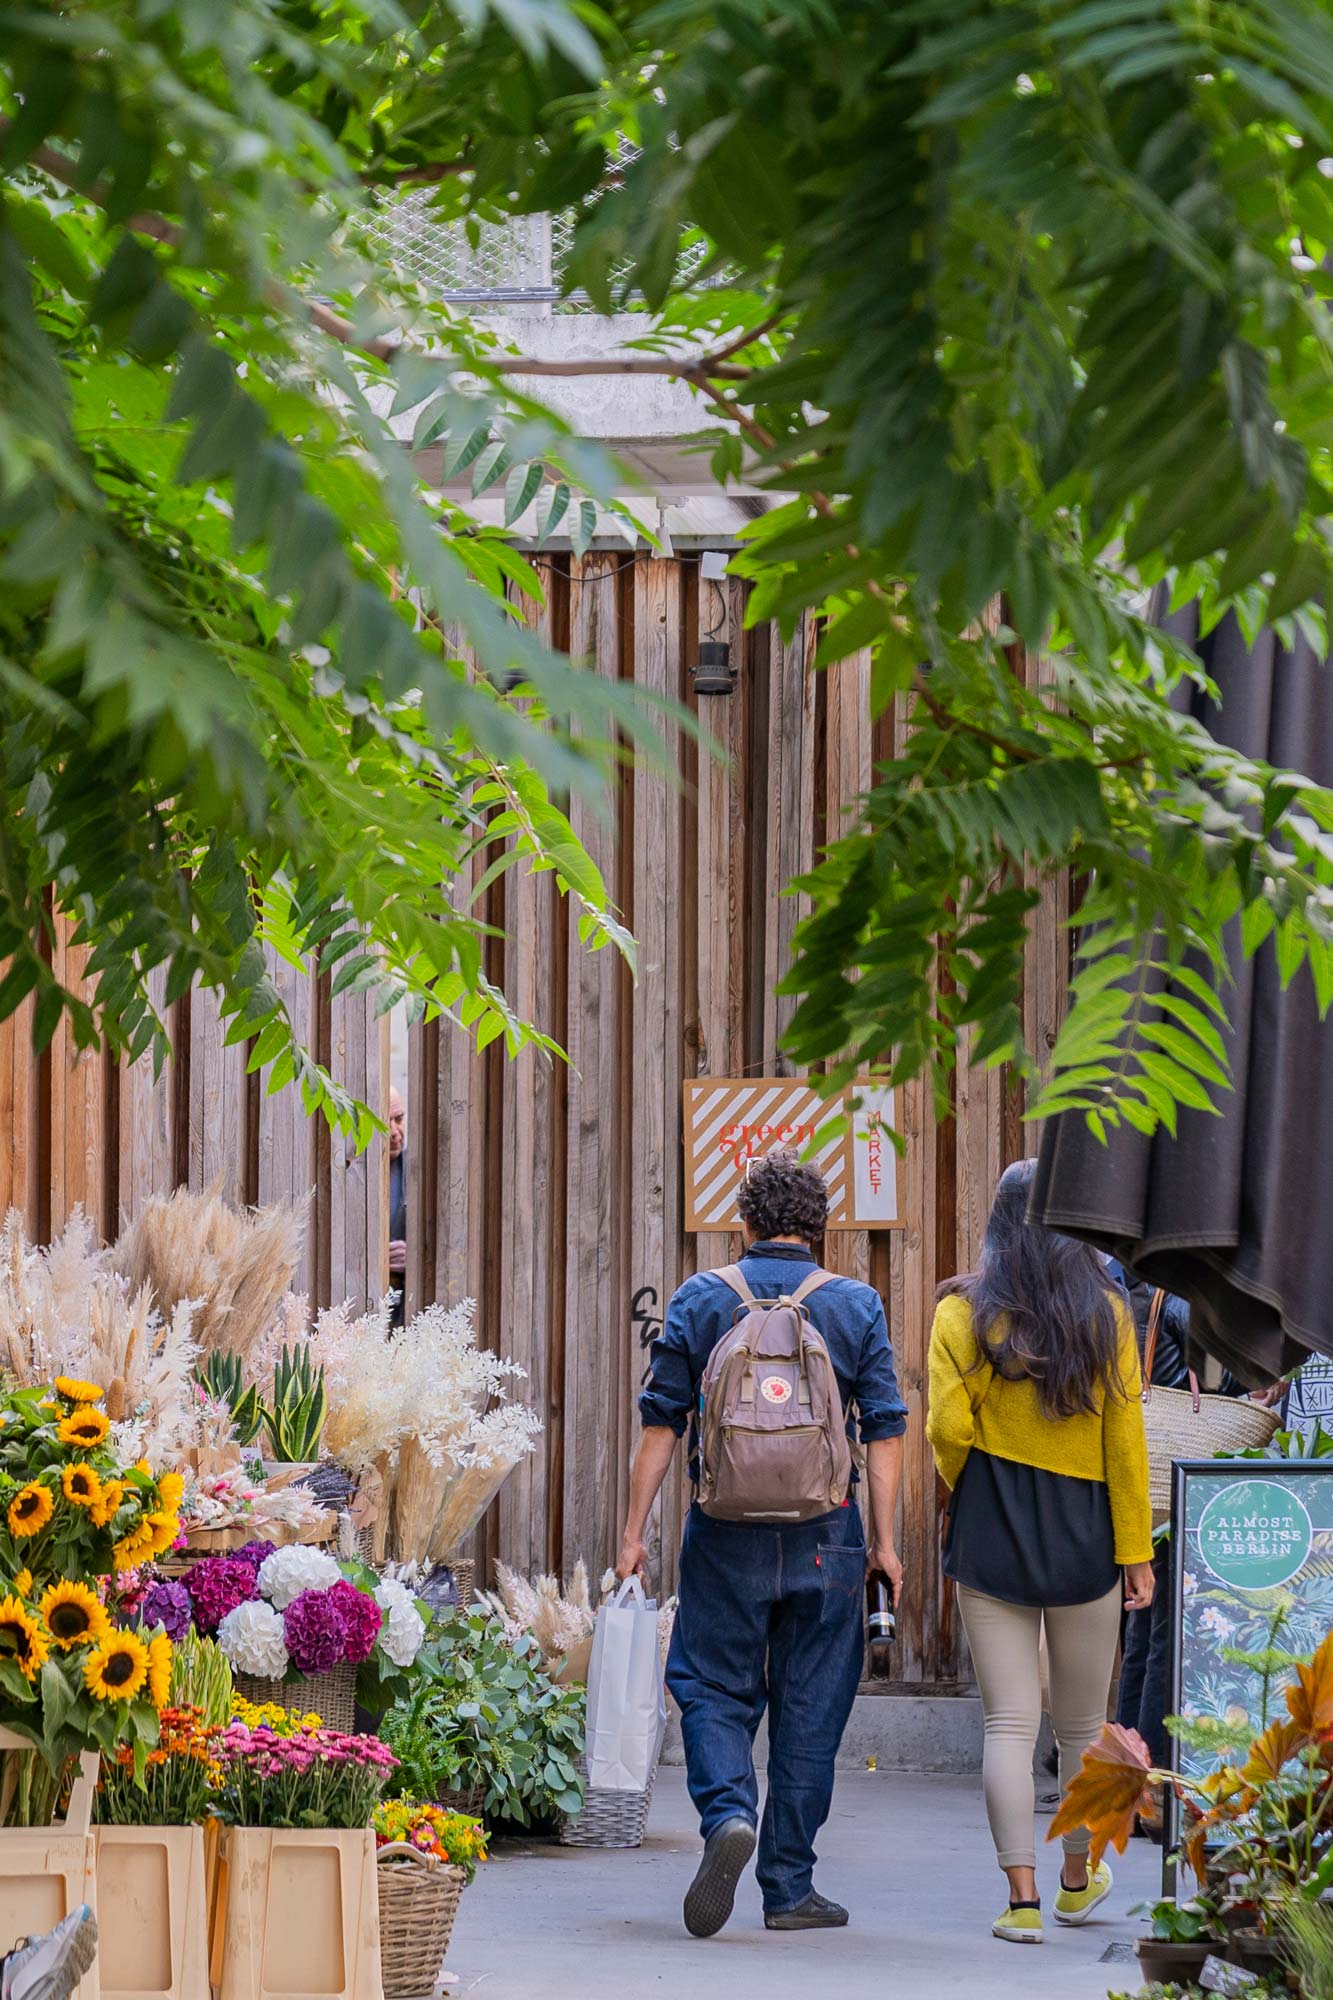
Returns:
point(732, 1121)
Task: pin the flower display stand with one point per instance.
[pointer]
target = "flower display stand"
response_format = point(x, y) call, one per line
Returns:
point(296, 1916)
point(47, 1871)
point(152, 1913)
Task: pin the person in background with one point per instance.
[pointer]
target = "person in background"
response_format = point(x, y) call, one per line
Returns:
point(1037, 1429)
point(49, 1967)
point(397, 1204)
point(771, 1615)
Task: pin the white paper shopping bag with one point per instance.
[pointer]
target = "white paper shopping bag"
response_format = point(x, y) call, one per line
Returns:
point(626, 1695)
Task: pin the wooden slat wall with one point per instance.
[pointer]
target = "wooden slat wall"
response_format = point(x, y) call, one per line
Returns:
point(551, 1192)
point(79, 1130)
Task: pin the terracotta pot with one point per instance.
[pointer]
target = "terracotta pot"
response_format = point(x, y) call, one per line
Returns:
point(1167, 1961)
point(47, 1871)
point(152, 1913)
point(296, 1916)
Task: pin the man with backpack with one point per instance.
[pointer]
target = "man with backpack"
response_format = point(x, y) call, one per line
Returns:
point(763, 1362)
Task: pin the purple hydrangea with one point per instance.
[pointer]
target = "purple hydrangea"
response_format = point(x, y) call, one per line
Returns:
point(253, 1553)
point(315, 1627)
point(216, 1586)
point(166, 1604)
point(363, 1617)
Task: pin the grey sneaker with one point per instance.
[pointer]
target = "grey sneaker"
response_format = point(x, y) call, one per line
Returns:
point(51, 1966)
point(709, 1899)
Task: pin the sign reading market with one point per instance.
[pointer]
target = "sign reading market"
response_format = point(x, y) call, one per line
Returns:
point(732, 1121)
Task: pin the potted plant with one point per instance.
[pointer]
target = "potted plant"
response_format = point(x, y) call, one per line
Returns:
point(297, 1836)
point(1257, 1828)
point(1181, 1938)
point(151, 1878)
point(486, 1728)
point(425, 1859)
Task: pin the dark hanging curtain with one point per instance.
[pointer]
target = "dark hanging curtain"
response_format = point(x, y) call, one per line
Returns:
point(1236, 1213)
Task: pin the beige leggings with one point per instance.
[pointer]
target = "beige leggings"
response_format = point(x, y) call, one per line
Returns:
point(1005, 1640)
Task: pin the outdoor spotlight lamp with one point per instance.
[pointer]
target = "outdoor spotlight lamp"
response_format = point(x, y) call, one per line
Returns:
point(713, 672)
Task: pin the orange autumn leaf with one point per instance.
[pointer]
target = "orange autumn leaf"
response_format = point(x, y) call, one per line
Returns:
point(1111, 1785)
point(1273, 1750)
point(1311, 1699)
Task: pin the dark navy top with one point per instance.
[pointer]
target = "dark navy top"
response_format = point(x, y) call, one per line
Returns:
point(847, 1313)
point(1029, 1536)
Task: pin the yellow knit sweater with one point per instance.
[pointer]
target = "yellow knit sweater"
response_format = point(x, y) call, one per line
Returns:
point(971, 1405)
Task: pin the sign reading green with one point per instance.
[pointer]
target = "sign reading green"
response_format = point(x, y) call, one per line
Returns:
point(1255, 1534)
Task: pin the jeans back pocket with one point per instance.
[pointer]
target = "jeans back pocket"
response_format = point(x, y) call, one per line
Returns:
point(842, 1572)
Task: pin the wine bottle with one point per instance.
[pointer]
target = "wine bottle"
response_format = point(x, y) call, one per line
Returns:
point(883, 1625)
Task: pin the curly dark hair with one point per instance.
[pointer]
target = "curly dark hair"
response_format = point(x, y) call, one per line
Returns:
point(783, 1195)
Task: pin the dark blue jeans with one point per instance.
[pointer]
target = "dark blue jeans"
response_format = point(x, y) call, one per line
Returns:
point(768, 1617)
point(1145, 1665)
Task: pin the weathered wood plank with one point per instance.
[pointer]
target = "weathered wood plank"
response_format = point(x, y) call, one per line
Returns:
point(147, 1164)
point(594, 1282)
point(219, 1138)
point(528, 1086)
point(19, 1138)
point(286, 1138)
point(80, 1081)
point(845, 778)
point(658, 1053)
point(789, 782)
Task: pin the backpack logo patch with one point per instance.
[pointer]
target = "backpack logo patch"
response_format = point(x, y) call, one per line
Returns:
point(775, 1389)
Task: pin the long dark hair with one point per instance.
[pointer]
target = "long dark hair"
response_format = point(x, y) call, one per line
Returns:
point(1043, 1305)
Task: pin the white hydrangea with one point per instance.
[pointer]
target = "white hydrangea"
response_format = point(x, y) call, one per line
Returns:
point(252, 1638)
point(287, 1572)
point(403, 1629)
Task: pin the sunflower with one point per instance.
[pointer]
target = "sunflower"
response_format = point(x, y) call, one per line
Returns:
point(159, 1670)
point(83, 1428)
point(108, 1506)
point(74, 1391)
point(72, 1614)
point(118, 1669)
point(164, 1529)
point(80, 1485)
point(144, 1467)
point(172, 1488)
point(134, 1548)
point(23, 1583)
point(21, 1638)
point(30, 1509)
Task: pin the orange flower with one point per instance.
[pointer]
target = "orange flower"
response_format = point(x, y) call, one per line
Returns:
point(1271, 1751)
point(1106, 1793)
point(1311, 1699)
point(172, 1488)
point(84, 1428)
point(80, 1485)
point(108, 1506)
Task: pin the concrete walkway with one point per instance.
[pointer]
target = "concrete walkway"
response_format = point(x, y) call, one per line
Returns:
point(910, 1856)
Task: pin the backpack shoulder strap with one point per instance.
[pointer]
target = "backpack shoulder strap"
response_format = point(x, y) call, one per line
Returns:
point(811, 1284)
point(732, 1274)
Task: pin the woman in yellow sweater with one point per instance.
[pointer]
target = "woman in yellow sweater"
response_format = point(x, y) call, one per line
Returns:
point(1037, 1428)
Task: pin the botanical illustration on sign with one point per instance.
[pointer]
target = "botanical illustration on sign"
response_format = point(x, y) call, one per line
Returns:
point(1258, 1555)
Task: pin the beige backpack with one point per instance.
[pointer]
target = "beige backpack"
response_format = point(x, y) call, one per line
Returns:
point(772, 1431)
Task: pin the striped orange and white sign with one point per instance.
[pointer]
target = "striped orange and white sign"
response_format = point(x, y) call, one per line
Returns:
point(730, 1121)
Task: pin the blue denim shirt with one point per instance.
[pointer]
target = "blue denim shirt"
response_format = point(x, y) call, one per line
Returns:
point(848, 1314)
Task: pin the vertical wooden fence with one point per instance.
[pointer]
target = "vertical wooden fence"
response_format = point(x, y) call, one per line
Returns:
point(551, 1192)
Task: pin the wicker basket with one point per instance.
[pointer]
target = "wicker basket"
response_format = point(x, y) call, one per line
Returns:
point(332, 1696)
point(1183, 1423)
point(470, 1800)
point(465, 1577)
point(608, 1819)
point(419, 1898)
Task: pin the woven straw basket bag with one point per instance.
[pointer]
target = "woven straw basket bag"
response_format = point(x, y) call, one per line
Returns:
point(1184, 1423)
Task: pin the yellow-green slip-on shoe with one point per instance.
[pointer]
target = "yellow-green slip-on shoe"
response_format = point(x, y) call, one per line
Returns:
point(1075, 1906)
point(1018, 1926)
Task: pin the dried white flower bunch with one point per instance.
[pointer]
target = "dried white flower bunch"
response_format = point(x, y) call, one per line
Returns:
point(66, 1310)
point(558, 1618)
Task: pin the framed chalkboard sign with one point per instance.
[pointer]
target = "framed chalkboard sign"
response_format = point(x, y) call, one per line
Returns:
point(1249, 1538)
